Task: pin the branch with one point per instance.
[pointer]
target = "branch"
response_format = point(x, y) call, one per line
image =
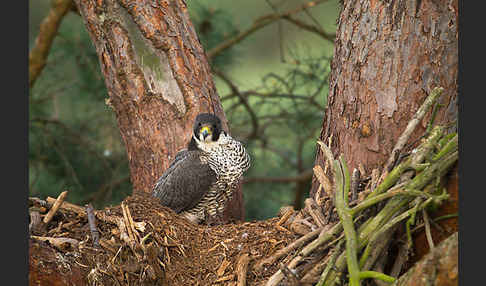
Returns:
point(55, 207)
point(412, 124)
point(244, 101)
point(341, 176)
point(311, 28)
point(376, 275)
point(242, 269)
point(294, 245)
point(47, 31)
point(257, 25)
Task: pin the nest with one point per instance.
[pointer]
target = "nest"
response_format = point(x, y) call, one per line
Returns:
point(348, 227)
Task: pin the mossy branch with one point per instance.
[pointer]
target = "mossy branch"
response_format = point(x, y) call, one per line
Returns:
point(395, 211)
point(417, 157)
point(376, 275)
point(415, 178)
point(412, 124)
point(330, 264)
point(341, 193)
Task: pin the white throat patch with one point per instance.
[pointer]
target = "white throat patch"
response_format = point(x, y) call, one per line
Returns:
point(211, 146)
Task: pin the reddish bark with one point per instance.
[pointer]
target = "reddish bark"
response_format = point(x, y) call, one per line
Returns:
point(158, 80)
point(388, 56)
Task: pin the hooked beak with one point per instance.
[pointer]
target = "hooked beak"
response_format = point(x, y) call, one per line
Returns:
point(205, 131)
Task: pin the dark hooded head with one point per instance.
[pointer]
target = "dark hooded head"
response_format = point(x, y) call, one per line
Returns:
point(207, 128)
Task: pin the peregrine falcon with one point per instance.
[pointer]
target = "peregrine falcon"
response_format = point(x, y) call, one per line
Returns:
point(202, 178)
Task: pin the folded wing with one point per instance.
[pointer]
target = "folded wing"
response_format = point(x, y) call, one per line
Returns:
point(185, 182)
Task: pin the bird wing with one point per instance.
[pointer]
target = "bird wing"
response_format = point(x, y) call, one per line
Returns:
point(185, 182)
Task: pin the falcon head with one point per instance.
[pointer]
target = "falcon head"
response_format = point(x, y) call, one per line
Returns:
point(207, 128)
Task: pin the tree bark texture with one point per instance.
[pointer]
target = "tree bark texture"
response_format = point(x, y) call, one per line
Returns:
point(439, 267)
point(158, 80)
point(388, 56)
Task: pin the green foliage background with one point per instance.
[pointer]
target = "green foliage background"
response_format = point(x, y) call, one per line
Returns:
point(74, 142)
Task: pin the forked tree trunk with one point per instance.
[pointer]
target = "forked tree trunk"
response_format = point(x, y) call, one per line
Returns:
point(158, 80)
point(388, 56)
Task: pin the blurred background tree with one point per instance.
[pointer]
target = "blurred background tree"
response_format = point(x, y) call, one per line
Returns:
point(271, 64)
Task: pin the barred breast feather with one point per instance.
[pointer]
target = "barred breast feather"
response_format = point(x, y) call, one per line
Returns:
point(199, 183)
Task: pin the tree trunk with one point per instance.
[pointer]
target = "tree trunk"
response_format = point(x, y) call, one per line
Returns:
point(158, 80)
point(388, 56)
point(439, 267)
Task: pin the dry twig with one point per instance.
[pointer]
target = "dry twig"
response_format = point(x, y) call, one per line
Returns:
point(55, 207)
point(68, 206)
point(92, 225)
point(242, 269)
point(428, 234)
point(62, 243)
point(314, 210)
point(294, 245)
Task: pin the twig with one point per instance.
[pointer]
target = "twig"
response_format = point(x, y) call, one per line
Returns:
point(95, 234)
point(311, 28)
point(379, 246)
point(35, 220)
point(280, 36)
point(225, 278)
point(450, 146)
point(402, 257)
point(47, 31)
point(108, 245)
point(242, 269)
point(412, 124)
point(355, 177)
point(244, 101)
point(428, 234)
point(36, 201)
point(294, 245)
point(376, 275)
point(291, 276)
point(55, 207)
point(380, 266)
point(258, 24)
point(322, 239)
point(393, 222)
point(323, 179)
point(314, 210)
point(398, 190)
point(286, 216)
point(312, 276)
point(128, 222)
point(419, 155)
point(68, 206)
point(330, 264)
point(342, 188)
point(62, 243)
